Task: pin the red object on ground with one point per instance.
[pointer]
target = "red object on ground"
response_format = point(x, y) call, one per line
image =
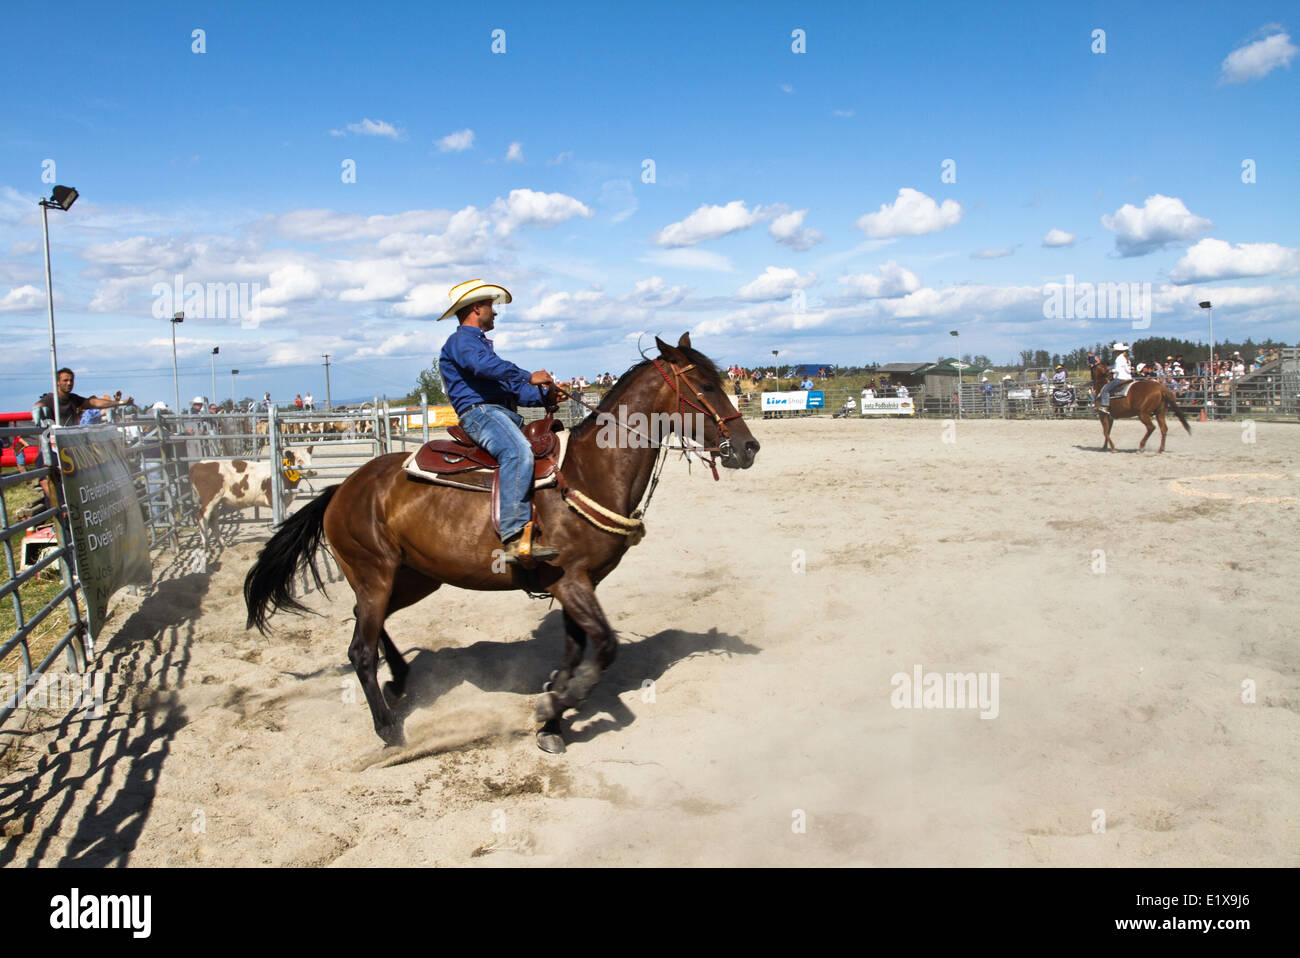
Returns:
point(31, 455)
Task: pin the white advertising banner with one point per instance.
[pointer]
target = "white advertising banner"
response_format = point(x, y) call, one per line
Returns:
point(888, 407)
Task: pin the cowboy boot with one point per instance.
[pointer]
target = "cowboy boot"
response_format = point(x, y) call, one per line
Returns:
point(521, 548)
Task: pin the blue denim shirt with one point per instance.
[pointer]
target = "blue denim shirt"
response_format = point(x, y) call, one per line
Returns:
point(473, 373)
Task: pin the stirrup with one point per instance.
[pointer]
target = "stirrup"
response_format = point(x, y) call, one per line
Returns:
point(523, 550)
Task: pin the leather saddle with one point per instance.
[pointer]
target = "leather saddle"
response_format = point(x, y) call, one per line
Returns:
point(1122, 387)
point(461, 454)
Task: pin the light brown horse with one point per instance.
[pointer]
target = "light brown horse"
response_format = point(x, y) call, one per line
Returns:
point(1146, 397)
point(398, 539)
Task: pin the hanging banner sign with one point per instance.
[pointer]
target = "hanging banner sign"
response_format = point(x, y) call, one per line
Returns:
point(111, 548)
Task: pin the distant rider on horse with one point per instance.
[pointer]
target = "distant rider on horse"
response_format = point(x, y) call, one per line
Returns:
point(1121, 371)
point(485, 391)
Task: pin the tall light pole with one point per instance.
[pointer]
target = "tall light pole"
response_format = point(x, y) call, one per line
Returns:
point(328, 402)
point(61, 198)
point(212, 396)
point(1209, 366)
point(233, 374)
point(176, 382)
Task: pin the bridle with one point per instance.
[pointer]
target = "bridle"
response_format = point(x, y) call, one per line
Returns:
point(679, 377)
point(676, 380)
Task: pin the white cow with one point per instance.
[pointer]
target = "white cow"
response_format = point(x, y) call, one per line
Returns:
point(242, 484)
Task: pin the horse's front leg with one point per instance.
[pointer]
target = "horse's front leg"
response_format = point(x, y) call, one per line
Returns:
point(573, 681)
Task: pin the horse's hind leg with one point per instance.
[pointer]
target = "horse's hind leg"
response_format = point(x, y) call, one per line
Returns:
point(572, 683)
point(364, 655)
point(1151, 427)
point(1164, 426)
point(409, 588)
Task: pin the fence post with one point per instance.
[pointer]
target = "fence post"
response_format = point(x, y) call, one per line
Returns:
point(424, 415)
point(388, 427)
point(164, 464)
point(379, 451)
point(273, 440)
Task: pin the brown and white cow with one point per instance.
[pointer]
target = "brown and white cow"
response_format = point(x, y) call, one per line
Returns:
point(241, 484)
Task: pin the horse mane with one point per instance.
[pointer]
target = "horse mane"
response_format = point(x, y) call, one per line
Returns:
point(615, 395)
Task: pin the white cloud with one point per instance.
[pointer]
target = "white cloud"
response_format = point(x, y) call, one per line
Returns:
point(369, 127)
point(1258, 59)
point(775, 283)
point(788, 230)
point(708, 222)
point(426, 299)
point(911, 214)
point(1057, 237)
point(889, 281)
point(456, 142)
point(21, 298)
point(290, 284)
point(841, 112)
point(515, 154)
point(991, 253)
point(689, 259)
point(1161, 220)
point(415, 340)
point(561, 158)
point(655, 293)
point(329, 226)
point(786, 88)
point(531, 208)
point(1212, 259)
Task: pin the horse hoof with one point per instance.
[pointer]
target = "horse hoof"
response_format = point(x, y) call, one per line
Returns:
point(550, 742)
point(392, 694)
point(393, 737)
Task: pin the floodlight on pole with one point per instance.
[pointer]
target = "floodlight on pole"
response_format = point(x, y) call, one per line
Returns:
point(61, 198)
point(176, 382)
point(212, 396)
point(233, 374)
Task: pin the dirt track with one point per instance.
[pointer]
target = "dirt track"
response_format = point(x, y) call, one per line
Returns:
point(1119, 691)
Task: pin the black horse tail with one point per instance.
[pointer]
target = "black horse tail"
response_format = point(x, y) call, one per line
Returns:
point(268, 583)
point(1170, 402)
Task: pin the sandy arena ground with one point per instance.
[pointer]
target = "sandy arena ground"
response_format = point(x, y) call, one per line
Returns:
point(1126, 608)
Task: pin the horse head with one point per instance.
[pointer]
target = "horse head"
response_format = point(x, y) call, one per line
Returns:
point(707, 414)
point(1100, 376)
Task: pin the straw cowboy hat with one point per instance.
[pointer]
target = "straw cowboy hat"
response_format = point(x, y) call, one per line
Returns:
point(1120, 347)
point(475, 291)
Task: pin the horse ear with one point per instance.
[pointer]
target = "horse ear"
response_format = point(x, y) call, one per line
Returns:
point(666, 351)
point(685, 341)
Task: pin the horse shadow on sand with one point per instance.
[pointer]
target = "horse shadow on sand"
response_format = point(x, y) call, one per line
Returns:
point(522, 667)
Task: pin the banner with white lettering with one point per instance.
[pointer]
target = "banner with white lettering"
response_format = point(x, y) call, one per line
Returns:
point(888, 407)
point(112, 550)
point(802, 399)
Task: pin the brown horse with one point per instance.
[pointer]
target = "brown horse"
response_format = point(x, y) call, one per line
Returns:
point(397, 539)
point(1145, 398)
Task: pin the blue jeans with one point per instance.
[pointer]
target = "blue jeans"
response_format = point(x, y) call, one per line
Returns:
point(499, 431)
point(1104, 399)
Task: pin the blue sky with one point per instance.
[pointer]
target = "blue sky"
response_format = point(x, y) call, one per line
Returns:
point(799, 200)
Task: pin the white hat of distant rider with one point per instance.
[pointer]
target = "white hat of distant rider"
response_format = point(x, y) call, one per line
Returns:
point(198, 401)
point(1120, 348)
point(474, 291)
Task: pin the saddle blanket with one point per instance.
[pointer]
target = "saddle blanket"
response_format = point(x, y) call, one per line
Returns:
point(480, 479)
point(1122, 388)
